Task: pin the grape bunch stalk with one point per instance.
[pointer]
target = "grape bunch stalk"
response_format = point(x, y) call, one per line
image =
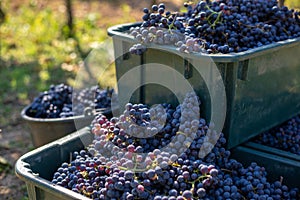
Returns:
point(218, 26)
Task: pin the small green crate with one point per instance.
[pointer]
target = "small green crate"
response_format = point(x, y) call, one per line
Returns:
point(276, 165)
point(262, 85)
point(37, 167)
point(44, 131)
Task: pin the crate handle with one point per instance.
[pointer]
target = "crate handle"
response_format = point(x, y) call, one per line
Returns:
point(188, 69)
point(125, 51)
point(126, 55)
point(243, 70)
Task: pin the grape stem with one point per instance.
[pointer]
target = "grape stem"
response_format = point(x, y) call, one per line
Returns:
point(226, 170)
point(171, 26)
point(217, 20)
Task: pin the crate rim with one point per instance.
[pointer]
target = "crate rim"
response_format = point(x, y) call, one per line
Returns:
point(268, 149)
point(57, 120)
point(118, 31)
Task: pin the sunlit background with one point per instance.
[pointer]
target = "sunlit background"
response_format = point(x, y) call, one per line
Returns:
point(42, 43)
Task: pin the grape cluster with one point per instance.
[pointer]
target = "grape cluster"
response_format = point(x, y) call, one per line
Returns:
point(93, 97)
point(62, 101)
point(285, 136)
point(219, 26)
point(147, 129)
point(121, 164)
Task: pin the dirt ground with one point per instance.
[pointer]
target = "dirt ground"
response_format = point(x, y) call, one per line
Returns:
point(15, 139)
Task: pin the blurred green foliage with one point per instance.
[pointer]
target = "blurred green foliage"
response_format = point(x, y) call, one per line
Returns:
point(292, 3)
point(36, 52)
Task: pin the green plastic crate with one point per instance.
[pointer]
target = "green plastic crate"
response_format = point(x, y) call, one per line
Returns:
point(44, 131)
point(276, 165)
point(262, 85)
point(37, 167)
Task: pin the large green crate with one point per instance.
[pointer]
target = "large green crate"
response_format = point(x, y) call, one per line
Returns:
point(262, 85)
point(37, 167)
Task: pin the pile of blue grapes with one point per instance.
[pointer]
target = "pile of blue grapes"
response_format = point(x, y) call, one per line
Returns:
point(285, 136)
point(62, 101)
point(217, 26)
point(122, 164)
